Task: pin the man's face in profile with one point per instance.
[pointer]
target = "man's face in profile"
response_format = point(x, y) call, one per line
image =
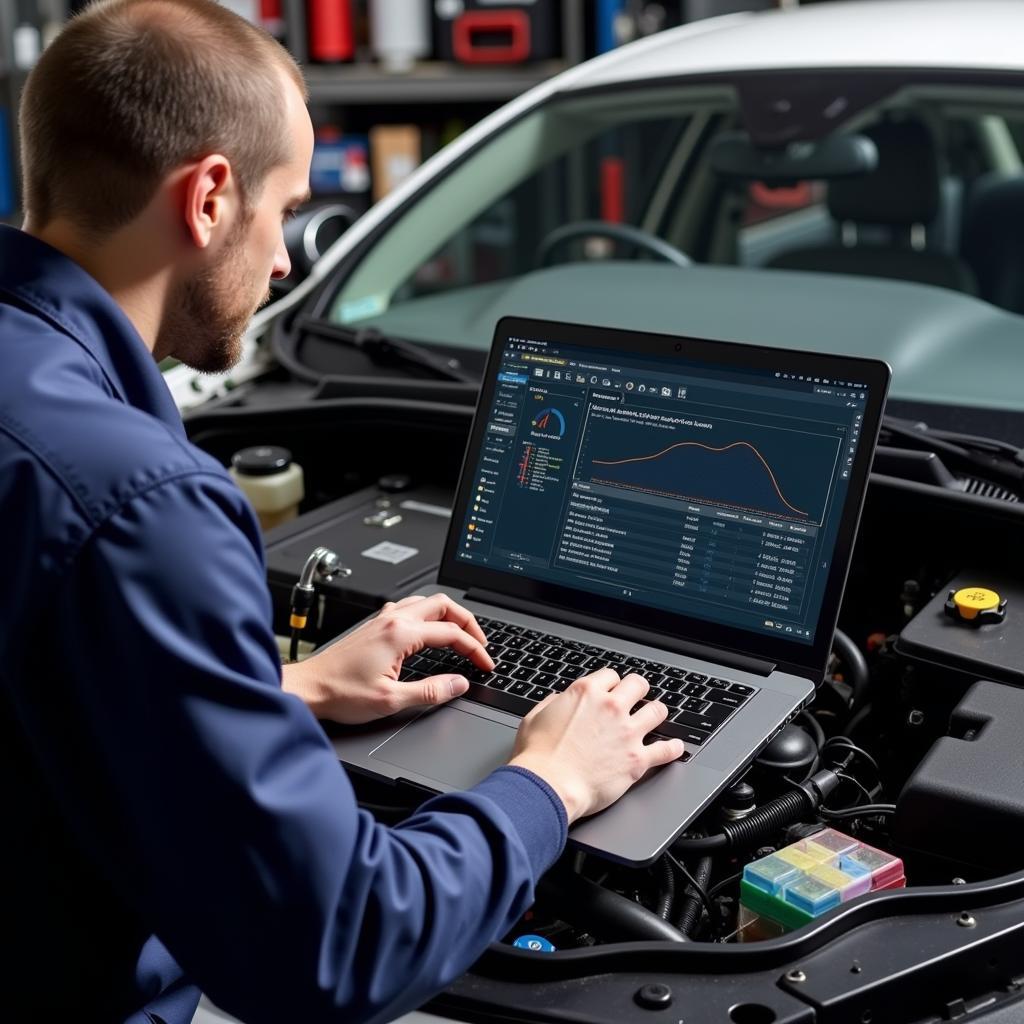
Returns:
point(206, 319)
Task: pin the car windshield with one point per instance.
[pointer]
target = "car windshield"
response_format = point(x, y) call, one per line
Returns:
point(619, 159)
point(590, 208)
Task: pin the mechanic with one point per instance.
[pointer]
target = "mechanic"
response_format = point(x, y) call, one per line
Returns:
point(176, 818)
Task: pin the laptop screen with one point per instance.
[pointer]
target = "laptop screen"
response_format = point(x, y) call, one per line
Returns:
point(709, 490)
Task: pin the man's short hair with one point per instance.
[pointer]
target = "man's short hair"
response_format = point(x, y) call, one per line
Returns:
point(131, 90)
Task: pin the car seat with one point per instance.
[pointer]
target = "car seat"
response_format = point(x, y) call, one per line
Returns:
point(902, 196)
point(993, 238)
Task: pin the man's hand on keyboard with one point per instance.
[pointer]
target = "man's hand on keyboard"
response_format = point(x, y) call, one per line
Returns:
point(588, 746)
point(356, 679)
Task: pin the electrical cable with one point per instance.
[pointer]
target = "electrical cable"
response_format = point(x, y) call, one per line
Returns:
point(852, 751)
point(842, 741)
point(861, 810)
point(724, 884)
point(857, 783)
point(699, 890)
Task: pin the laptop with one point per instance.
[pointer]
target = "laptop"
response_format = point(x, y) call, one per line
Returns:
point(678, 507)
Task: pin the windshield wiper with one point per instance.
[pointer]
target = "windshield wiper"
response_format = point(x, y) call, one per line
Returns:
point(387, 350)
point(990, 459)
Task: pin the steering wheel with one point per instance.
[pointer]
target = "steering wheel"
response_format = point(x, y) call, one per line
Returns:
point(636, 237)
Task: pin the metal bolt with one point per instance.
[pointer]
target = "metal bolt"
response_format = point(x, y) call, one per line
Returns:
point(966, 920)
point(856, 968)
point(653, 997)
point(797, 977)
point(959, 881)
point(915, 717)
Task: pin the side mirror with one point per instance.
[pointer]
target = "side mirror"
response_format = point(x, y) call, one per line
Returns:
point(836, 156)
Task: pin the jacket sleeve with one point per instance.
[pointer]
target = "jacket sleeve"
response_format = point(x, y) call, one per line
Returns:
point(223, 815)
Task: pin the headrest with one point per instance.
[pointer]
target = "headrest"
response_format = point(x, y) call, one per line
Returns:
point(993, 234)
point(996, 208)
point(903, 189)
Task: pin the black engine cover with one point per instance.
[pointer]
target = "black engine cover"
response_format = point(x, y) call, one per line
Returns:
point(964, 805)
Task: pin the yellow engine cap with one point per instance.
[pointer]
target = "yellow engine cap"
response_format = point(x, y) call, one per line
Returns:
point(971, 600)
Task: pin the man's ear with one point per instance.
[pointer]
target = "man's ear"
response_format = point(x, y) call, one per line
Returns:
point(209, 196)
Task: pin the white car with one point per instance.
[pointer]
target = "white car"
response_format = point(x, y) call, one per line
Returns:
point(843, 177)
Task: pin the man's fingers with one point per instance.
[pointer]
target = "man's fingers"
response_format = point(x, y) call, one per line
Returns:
point(541, 704)
point(449, 634)
point(631, 688)
point(651, 715)
point(601, 679)
point(441, 608)
point(663, 751)
point(411, 599)
point(433, 690)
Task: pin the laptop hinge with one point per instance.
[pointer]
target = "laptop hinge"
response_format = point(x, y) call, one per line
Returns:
point(743, 662)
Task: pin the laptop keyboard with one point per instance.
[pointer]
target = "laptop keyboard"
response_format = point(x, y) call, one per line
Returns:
point(529, 665)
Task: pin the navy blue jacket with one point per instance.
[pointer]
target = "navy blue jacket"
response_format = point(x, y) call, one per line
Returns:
point(172, 819)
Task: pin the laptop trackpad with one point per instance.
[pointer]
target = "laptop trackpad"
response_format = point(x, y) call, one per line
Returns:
point(452, 746)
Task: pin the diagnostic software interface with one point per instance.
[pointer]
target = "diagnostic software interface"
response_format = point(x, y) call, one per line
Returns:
point(708, 491)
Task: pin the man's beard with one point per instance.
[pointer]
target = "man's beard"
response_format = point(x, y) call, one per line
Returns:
point(205, 322)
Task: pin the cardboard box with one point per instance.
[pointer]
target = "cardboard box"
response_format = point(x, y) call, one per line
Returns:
point(396, 150)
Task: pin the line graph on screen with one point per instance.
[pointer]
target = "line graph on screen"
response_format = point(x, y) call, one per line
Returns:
point(748, 468)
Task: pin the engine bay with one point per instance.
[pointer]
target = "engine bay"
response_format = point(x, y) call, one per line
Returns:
point(909, 751)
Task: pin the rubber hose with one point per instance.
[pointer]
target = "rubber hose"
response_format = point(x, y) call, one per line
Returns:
point(692, 904)
point(856, 665)
point(761, 822)
point(668, 888)
point(705, 844)
point(585, 904)
point(764, 820)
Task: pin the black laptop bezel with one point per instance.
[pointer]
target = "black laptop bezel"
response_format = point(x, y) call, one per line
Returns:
point(806, 659)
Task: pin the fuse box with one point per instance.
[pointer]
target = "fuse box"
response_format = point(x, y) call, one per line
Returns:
point(802, 881)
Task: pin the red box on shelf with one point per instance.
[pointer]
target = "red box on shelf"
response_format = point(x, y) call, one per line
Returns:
point(510, 33)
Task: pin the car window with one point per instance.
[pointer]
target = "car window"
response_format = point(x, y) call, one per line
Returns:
point(617, 160)
point(640, 158)
point(607, 178)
